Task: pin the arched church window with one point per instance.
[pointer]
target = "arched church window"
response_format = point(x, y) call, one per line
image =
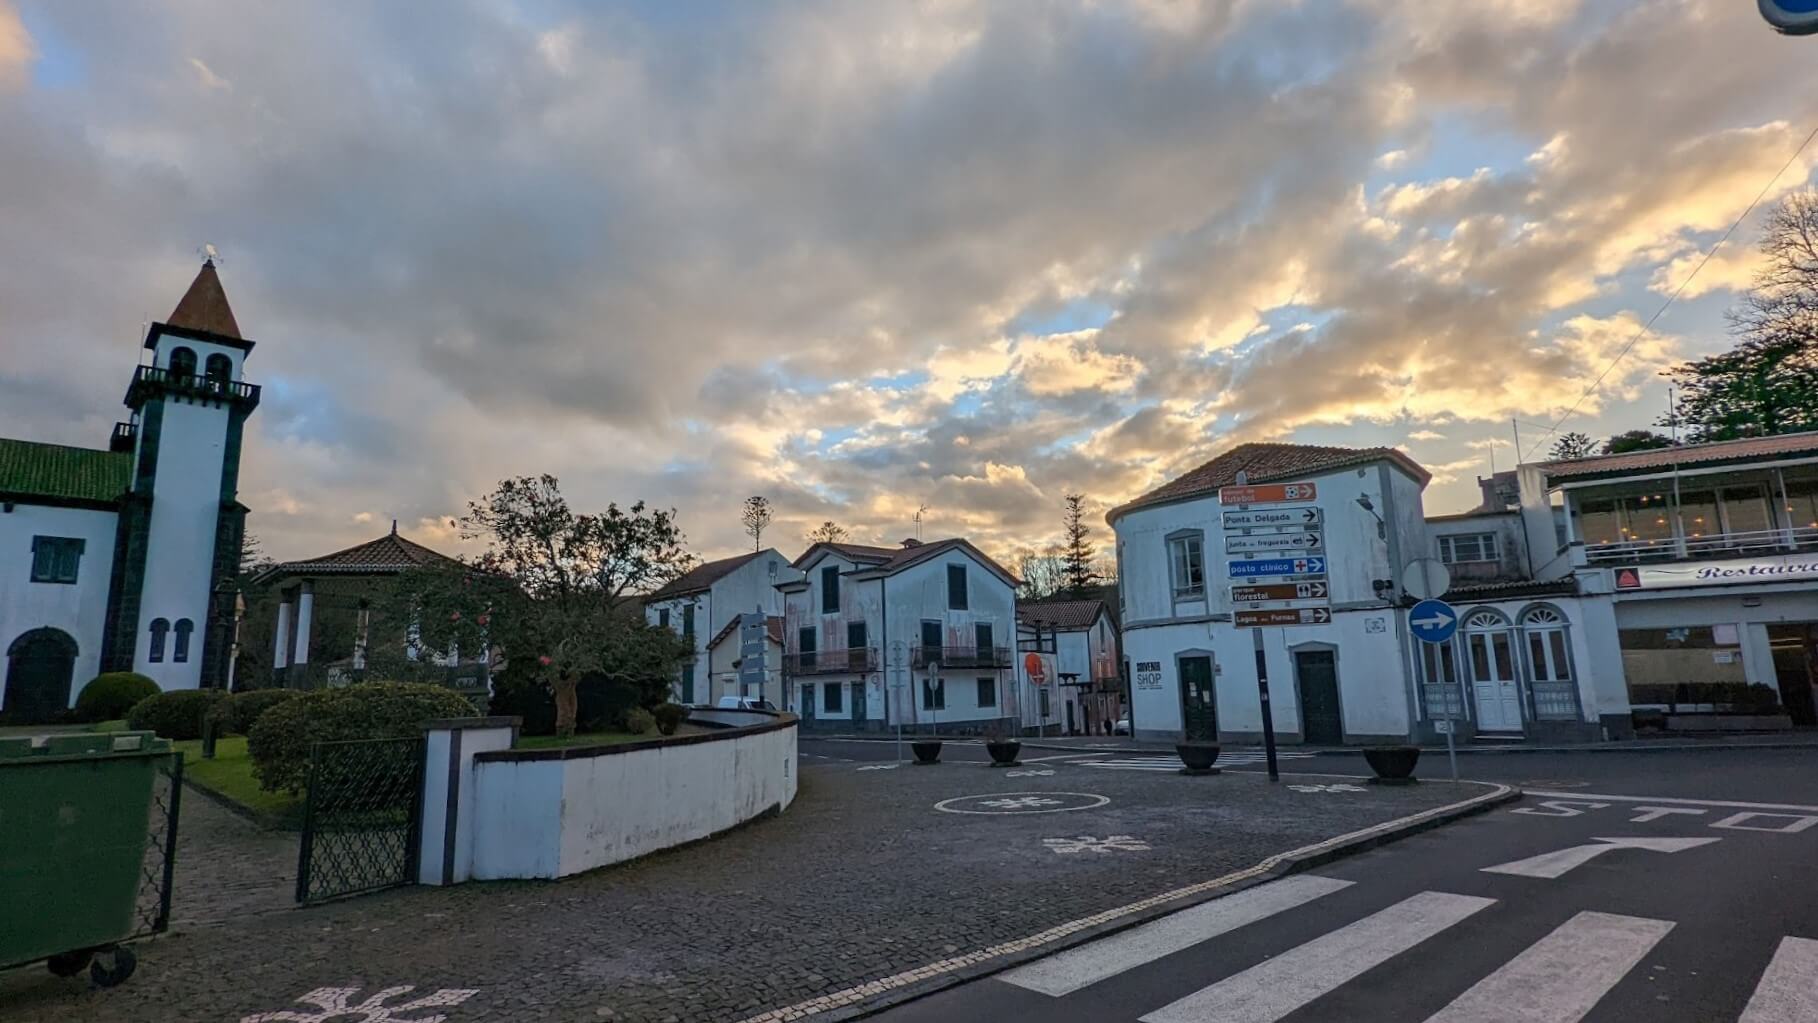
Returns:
point(159, 628)
point(179, 653)
point(220, 370)
point(183, 362)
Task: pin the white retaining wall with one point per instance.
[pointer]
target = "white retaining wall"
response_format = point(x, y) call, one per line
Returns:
point(552, 813)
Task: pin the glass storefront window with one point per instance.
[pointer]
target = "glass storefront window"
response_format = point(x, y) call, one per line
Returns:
point(1745, 510)
point(1686, 668)
point(1802, 503)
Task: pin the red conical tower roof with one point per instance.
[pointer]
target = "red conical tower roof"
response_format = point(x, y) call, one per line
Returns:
point(204, 306)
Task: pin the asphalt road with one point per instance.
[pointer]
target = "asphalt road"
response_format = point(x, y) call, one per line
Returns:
point(1659, 886)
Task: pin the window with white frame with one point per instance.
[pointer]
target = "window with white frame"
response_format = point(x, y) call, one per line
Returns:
point(1549, 664)
point(1462, 548)
point(1187, 564)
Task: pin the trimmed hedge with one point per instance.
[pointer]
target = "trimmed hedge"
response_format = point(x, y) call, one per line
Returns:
point(112, 694)
point(236, 714)
point(177, 714)
point(599, 703)
point(637, 721)
point(279, 740)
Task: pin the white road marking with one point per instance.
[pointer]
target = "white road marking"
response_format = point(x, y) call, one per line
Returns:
point(1796, 822)
point(1553, 864)
point(1679, 802)
point(1788, 992)
point(1088, 964)
point(1559, 978)
point(1061, 756)
point(1559, 808)
point(1273, 989)
point(1654, 813)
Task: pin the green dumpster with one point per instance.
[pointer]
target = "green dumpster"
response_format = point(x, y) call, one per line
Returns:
point(75, 816)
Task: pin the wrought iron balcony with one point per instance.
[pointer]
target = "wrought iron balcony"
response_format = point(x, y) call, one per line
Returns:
point(1708, 545)
point(849, 661)
point(155, 380)
point(961, 656)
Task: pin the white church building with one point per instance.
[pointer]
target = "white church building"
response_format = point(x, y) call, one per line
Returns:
point(119, 559)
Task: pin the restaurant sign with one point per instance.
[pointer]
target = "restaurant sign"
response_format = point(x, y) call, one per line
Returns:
point(1785, 568)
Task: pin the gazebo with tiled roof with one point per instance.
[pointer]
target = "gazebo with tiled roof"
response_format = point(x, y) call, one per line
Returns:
point(388, 556)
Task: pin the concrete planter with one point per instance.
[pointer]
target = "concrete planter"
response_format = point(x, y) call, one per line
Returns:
point(927, 751)
point(1003, 752)
point(1394, 765)
point(1197, 756)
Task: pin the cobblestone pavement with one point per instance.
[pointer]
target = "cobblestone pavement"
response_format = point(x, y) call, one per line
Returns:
point(228, 867)
point(863, 878)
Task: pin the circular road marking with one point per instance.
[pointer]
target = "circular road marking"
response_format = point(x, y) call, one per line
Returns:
point(999, 803)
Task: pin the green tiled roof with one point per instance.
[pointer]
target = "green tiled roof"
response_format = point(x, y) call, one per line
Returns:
point(30, 469)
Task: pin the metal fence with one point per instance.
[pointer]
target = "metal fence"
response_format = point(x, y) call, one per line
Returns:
point(157, 867)
point(361, 817)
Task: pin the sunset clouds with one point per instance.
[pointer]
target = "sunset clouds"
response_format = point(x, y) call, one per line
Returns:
point(866, 257)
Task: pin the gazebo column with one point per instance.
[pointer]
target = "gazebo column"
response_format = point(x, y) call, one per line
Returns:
point(306, 605)
point(280, 654)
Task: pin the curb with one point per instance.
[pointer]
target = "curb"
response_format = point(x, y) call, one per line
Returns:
point(875, 996)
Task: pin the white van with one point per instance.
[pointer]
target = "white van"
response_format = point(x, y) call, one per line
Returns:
point(745, 703)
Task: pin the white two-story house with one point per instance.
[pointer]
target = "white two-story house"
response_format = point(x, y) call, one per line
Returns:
point(919, 635)
point(703, 601)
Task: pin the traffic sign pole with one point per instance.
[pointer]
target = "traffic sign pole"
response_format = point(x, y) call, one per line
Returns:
point(1262, 695)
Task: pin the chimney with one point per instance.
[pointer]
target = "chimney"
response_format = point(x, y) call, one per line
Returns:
point(911, 543)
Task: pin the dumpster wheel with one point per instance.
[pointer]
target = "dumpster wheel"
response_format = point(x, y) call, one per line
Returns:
point(68, 964)
point(112, 966)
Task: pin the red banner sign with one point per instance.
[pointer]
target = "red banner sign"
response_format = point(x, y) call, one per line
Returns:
point(1268, 493)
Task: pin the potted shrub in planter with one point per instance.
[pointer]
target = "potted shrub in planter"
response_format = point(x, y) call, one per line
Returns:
point(1394, 765)
point(1002, 748)
point(1197, 756)
point(927, 750)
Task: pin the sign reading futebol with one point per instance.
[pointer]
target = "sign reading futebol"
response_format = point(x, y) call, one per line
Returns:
point(1268, 493)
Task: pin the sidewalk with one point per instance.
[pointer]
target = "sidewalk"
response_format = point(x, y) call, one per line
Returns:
point(1714, 741)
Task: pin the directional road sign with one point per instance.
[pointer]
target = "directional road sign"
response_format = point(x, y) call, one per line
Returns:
point(1269, 493)
point(1264, 567)
point(1296, 541)
point(1294, 616)
point(1314, 590)
point(754, 639)
point(1433, 621)
point(1792, 17)
point(1274, 518)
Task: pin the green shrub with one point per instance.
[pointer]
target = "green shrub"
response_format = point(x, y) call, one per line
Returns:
point(236, 714)
point(279, 740)
point(177, 714)
point(637, 721)
point(669, 717)
point(111, 694)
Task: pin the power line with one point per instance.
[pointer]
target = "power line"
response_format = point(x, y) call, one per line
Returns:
point(1639, 334)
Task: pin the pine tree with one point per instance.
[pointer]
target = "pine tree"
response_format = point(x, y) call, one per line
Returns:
point(1572, 445)
point(1076, 553)
point(756, 517)
point(828, 532)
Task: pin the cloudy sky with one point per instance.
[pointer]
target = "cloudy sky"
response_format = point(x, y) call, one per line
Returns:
point(862, 257)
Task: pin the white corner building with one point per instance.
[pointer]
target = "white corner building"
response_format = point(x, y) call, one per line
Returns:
point(704, 602)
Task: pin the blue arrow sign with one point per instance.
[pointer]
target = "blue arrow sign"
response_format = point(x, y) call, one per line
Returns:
point(1433, 621)
point(1793, 17)
point(1277, 566)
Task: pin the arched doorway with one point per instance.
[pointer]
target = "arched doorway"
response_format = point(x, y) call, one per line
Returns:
point(1490, 659)
point(40, 665)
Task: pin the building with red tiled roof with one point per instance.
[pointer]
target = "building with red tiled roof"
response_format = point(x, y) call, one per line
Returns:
point(1266, 463)
point(706, 602)
point(936, 618)
point(122, 557)
point(1081, 637)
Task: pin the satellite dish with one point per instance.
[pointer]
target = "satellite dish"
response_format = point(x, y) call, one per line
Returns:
point(1426, 579)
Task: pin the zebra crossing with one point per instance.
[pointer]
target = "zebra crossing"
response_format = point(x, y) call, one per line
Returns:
point(1227, 758)
point(1558, 978)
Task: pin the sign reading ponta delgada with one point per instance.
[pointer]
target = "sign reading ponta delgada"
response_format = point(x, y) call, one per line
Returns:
point(1784, 568)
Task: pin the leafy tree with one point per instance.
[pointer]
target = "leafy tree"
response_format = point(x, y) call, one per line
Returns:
point(1572, 445)
point(828, 532)
point(1043, 573)
point(1077, 569)
point(756, 517)
point(1767, 383)
point(552, 588)
point(1636, 440)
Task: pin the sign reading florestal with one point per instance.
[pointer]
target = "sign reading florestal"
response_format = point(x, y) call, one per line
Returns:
point(1785, 568)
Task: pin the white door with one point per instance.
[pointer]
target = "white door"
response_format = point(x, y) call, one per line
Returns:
point(1492, 664)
